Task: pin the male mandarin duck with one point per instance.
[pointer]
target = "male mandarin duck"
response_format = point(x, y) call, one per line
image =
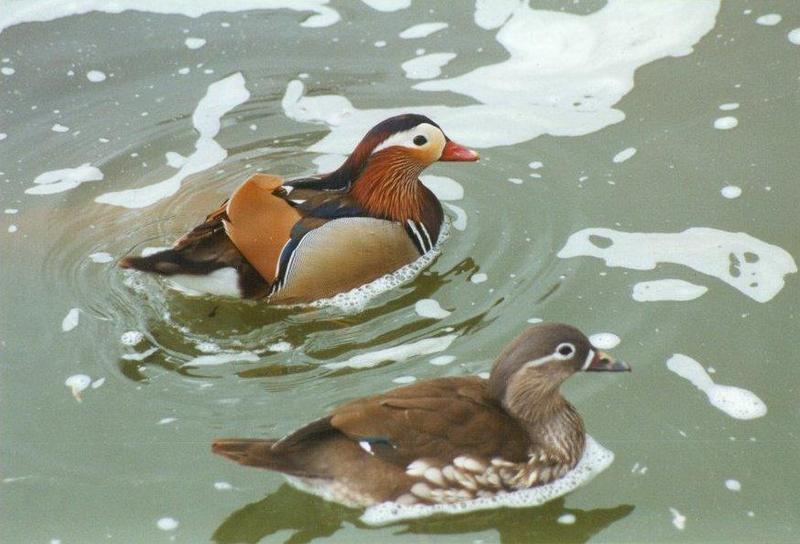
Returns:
point(311, 238)
point(445, 440)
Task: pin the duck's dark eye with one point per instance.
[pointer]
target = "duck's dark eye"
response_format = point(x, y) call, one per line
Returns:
point(565, 350)
point(420, 140)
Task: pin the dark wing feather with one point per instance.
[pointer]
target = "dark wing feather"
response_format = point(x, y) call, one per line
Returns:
point(438, 419)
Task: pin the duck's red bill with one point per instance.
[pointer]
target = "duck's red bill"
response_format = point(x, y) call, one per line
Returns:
point(456, 152)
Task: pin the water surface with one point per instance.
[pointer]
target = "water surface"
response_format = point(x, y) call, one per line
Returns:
point(638, 177)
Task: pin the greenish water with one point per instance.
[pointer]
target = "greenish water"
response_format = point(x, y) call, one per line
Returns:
point(136, 449)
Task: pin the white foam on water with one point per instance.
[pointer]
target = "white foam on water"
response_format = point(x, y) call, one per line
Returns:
point(101, 257)
point(167, 524)
point(734, 401)
point(222, 486)
point(678, 519)
point(57, 181)
point(221, 97)
point(175, 160)
point(95, 76)
point(71, 320)
point(98, 383)
point(357, 299)
point(726, 123)
point(733, 485)
point(731, 191)
point(426, 66)
point(534, 320)
point(535, 165)
point(12, 229)
point(396, 353)
point(753, 267)
point(491, 14)
point(328, 163)
point(566, 519)
point(770, 19)
point(208, 347)
point(279, 347)
point(387, 5)
point(222, 358)
point(77, 383)
point(11, 211)
point(404, 379)
point(594, 460)
point(139, 356)
point(443, 187)
point(166, 420)
point(605, 340)
point(427, 307)
point(460, 221)
point(194, 43)
point(131, 338)
point(624, 155)
point(422, 30)
point(729, 106)
point(442, 360)
point(30, 11)
point(667, 289)
point(559, 59)
point(556, 60)
point(478, 277)
point(794, 36)
point(3, 136)
point(7, 71)
point(59, 128)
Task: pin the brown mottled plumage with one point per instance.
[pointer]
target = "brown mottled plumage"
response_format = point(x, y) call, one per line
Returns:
point(311, 238)
point(448, 439)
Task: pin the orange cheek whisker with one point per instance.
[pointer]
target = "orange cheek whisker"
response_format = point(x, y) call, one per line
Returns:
point(389, 186)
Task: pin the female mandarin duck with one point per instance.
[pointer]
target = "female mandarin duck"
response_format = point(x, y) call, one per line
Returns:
point(448, 439)
point(315, 237)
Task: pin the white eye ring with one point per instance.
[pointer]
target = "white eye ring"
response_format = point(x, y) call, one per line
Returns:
point(564, 351)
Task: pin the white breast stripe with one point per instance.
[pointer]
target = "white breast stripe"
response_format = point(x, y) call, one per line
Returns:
point(417, 235)
point(297, 201)
point(428, 236)
point(289, 265)
point(277, 284)
point(588, 361)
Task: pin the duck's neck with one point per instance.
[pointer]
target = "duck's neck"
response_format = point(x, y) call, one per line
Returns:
point(553, 424)
point(389, 187)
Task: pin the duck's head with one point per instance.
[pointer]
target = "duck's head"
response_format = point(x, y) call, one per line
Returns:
point(415, 137)
point(411, 140)
point(532, 367)
point(385, 166)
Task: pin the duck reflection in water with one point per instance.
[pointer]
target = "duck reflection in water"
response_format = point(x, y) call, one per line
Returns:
point(309, 518)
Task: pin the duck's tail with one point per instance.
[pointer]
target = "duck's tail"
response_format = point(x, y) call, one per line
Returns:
point(254, 453)
point(169, 262)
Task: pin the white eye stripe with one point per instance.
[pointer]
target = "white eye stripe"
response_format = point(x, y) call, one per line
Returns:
point(540, 361)
point(588, 361)
point(406, 137)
